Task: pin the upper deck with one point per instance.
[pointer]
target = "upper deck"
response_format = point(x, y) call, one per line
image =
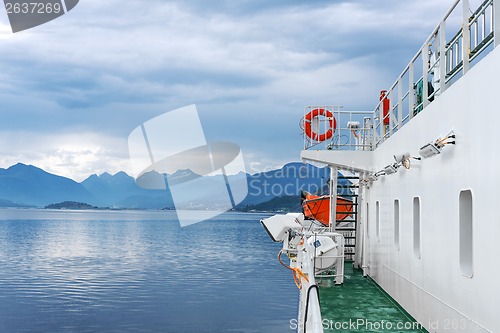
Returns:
point(445, 57)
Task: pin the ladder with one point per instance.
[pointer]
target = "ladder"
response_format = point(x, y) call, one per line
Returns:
point(348, 227)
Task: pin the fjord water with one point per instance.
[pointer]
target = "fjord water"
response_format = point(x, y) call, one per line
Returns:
point(139, 271)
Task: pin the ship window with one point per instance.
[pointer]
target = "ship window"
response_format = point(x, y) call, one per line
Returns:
point(377, 221)
point(465, 221)
point(396, 223)
point(416, 226)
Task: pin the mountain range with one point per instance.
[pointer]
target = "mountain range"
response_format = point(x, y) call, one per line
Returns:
point(26, 185)
point(29, 186)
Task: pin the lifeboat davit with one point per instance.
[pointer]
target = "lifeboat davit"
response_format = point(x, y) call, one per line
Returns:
point(318, 207)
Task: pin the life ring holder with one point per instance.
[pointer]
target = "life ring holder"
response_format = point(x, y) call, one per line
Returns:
point(316, 113)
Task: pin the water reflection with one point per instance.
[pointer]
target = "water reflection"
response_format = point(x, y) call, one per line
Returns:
point(139, 272)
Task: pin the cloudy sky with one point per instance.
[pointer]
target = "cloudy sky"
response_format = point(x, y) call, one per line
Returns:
point(72, 90)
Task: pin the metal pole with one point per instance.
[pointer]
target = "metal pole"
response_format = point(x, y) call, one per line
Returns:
point(496, 22)
point(339, 279)
point(442, 56)
point(411, 86)
point(381, 121)
point(358, 254)
point(400, 103)
point(391, 110)
point(366, 242)
point(333, 198)
point(425, 74)
point(465, 37)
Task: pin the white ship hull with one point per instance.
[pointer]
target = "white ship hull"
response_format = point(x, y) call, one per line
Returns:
point(433, 271)
point(432, 287)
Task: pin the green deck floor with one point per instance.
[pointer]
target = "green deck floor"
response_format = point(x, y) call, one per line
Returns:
point(361, 306)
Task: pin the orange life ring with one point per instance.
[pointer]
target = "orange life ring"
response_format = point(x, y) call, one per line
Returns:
point(316, 113)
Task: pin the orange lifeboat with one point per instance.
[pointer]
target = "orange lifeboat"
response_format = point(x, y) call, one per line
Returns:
point(318, 207)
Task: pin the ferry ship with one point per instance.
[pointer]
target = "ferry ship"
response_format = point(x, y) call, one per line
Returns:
point(423, 168)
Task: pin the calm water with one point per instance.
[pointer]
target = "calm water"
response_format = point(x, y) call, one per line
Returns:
point(64, 271)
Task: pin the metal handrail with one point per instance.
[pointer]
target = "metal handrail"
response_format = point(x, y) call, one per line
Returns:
point(451, 58)
point(314, 286)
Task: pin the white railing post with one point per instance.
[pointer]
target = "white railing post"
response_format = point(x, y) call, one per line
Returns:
point(496, 22)
point(376, 126)
point(425, 72)
point(442, 56)
point(333, 198)
point(338, 108)
point(391, 113)
point(465, 37)
point(358, 252)
point(400, 103)
point(339, 278)
point(306, 145)
point(373, 132)
point(411, 87)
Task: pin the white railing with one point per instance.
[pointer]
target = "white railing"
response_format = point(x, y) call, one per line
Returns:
point(434, 68)
point(351, 130)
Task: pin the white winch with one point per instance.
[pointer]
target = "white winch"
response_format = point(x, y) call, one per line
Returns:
point(326, 251)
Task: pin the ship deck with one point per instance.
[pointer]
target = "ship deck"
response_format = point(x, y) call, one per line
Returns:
point(360, 305)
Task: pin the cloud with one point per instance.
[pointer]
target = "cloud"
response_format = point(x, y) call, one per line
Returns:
point(72, 155)
point(250, 66)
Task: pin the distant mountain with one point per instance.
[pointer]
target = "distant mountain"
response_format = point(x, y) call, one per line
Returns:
point(7, 203)
point(70, 205)
point(288, 181)
point(146, 201)
point(182, 176)
point(287, 203)
point(121, 191)
point(27, 185)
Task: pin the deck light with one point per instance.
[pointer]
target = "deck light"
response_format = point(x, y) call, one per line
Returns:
point(390, 169)
point(429, 150)
point(401, 157)
point(434, 148)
